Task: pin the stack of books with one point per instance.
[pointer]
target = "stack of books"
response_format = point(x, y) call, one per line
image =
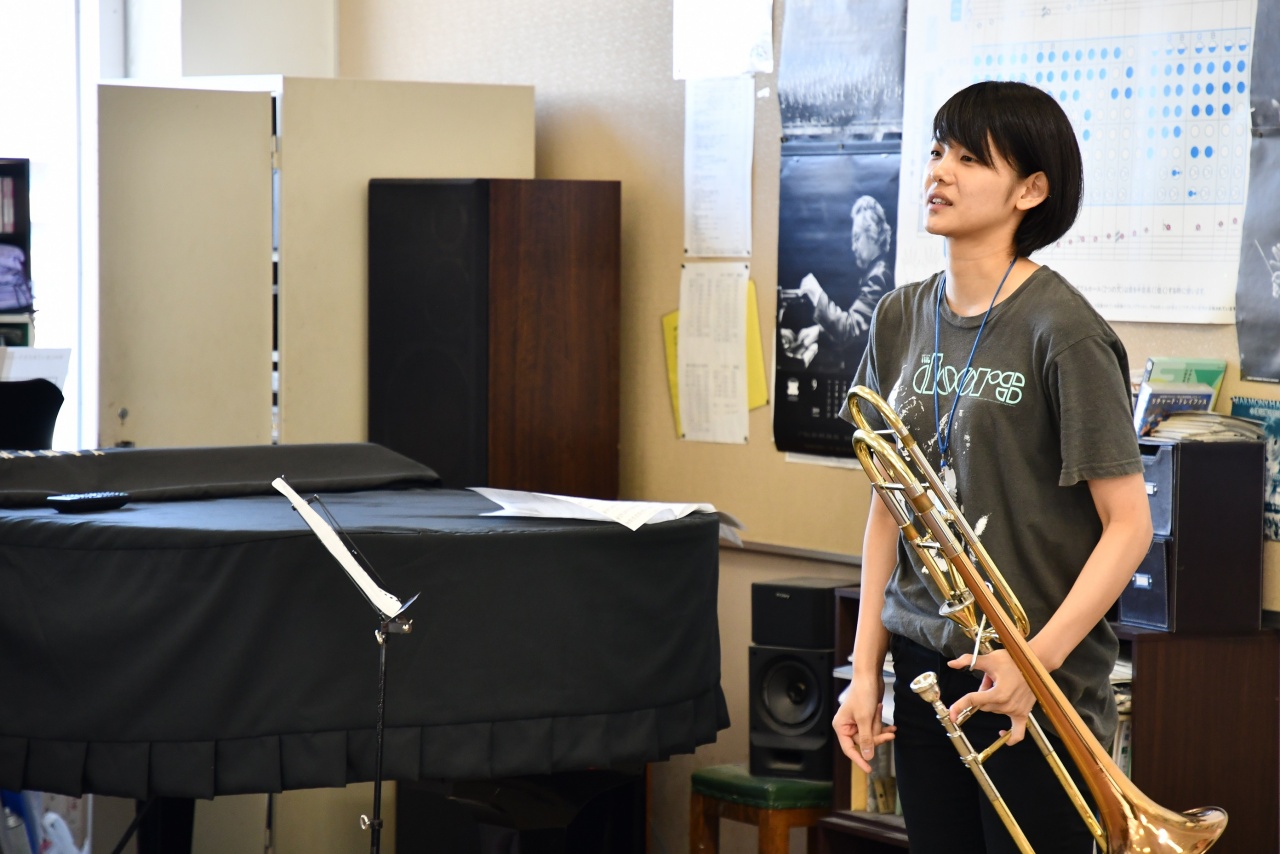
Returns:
point(1206, 427)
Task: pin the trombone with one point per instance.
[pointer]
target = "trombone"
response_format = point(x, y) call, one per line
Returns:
point(1127, 821)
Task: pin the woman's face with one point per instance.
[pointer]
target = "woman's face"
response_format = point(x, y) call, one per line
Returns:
point(866, 248)
point(964, 197)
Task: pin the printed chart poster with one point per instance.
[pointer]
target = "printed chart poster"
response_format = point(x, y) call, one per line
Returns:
point(841, 68)
point(1258, 285)
point(836, 248)
point(1158, 93)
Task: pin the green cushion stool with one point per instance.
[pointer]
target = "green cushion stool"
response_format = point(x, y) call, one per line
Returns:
point(772, 804)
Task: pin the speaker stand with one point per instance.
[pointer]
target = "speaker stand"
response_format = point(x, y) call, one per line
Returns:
point(393, 626)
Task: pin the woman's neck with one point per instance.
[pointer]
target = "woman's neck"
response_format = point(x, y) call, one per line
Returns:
point(974, 274)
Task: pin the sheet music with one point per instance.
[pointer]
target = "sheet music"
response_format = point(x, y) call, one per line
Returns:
point(35, 363)
point(632, 514)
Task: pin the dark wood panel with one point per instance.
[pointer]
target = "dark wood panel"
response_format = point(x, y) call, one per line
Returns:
point(554, 301)
point(1206, 730)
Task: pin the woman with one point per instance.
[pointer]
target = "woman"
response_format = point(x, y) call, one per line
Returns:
point(1017, 390)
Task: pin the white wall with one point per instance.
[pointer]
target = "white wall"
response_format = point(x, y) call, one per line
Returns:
point(296, 37)
point(174, 38)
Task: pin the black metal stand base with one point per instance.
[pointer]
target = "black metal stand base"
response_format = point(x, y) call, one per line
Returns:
point(394, 626)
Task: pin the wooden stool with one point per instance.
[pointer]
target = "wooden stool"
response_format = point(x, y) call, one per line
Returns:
point(773, 804)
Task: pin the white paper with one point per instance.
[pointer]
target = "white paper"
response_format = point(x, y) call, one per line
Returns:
point(721, 38)
point(1165, 141)
point(632, 514)
point(719, 137)
point(712, 352)
point(34, 363)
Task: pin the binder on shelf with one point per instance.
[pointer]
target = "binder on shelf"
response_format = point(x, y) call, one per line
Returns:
point(1177, 369)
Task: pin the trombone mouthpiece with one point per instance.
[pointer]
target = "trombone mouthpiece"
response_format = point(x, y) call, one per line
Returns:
point(926, 685)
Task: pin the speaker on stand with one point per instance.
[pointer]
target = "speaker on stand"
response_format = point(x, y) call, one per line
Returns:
point(792, 692)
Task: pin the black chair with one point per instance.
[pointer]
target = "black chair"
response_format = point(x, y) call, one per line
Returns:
point(28, 411)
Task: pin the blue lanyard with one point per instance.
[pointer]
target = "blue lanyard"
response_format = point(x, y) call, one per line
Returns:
point(944, 438)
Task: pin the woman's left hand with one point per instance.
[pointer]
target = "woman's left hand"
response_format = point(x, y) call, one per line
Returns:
point(1003, 691)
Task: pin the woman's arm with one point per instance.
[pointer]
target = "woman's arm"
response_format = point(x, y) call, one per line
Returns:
point(1126, 536)
point(858, 722)
point(1122, 506)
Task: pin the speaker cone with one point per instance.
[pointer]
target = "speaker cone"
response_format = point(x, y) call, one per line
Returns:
point(791, 695)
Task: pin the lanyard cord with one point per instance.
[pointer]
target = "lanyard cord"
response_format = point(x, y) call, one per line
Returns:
point(944, 438)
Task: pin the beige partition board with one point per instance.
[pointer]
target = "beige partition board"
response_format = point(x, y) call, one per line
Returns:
point(185, 266)
point(335, 136)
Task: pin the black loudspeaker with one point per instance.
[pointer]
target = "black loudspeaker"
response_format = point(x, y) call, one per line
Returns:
point(791, 708)
point(429, 324)
point(792, 691)
point(796, 612)
point(494, 330)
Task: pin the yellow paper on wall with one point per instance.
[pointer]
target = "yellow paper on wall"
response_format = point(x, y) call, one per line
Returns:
point(757, 382)
point(670, 335)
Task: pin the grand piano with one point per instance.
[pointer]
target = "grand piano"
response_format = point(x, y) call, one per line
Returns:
point(200, 641)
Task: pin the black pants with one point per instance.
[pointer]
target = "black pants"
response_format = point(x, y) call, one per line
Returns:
point(944, 808)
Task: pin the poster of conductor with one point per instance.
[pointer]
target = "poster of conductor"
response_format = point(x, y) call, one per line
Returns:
point(835, 260)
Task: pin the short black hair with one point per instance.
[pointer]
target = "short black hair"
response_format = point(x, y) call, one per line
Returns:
point(1026, 126)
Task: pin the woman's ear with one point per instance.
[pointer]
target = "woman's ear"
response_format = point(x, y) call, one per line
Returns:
point(1035, 189)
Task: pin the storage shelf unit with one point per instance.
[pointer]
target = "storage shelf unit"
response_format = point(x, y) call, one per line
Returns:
point(16, 326)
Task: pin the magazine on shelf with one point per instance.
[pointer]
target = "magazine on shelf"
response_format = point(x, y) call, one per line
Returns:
point(1157, 399)
point(1180, 369)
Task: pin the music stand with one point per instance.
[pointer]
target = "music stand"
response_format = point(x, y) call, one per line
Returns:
point(389, 609)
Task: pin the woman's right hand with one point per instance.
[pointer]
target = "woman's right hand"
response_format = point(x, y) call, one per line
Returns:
point(858, 723)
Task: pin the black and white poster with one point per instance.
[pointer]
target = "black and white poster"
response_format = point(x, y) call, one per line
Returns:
point(841, 69)
point(1258, 283)
point(840, 91)
point(836, 247)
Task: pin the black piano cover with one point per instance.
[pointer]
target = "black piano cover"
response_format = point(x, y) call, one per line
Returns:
point(200, 640)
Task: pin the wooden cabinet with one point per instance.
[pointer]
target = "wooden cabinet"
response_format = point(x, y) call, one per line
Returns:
point(1206, 731)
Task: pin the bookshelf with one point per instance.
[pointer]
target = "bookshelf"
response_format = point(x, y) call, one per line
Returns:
point(16, 327)
point(1206, 730)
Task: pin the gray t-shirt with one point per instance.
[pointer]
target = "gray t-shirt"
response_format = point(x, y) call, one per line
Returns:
point(1044, 409)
